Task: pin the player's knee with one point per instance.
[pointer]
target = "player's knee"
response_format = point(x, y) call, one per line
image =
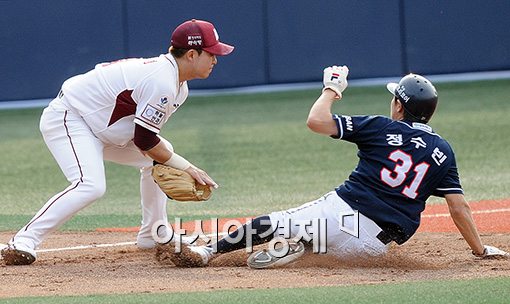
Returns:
point(94, 189)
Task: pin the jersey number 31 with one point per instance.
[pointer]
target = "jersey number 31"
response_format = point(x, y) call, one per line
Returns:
point(397, 176)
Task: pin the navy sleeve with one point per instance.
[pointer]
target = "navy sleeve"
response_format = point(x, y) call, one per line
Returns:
point(359, 129)
point(450, 183)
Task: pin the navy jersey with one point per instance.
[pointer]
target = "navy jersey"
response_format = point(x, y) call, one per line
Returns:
point(401, 164)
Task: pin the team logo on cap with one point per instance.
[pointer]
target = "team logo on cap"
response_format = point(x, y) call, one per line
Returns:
point(216, 34)
point(401, 92)
point(195, 40)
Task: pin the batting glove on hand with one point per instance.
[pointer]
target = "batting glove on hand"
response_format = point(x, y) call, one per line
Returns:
point(492, 252)
point(335, 78)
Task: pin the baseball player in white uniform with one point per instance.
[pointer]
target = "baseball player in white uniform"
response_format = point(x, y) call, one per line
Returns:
point(115, 112)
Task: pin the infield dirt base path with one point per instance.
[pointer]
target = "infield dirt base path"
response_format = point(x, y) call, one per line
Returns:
point(434, 253)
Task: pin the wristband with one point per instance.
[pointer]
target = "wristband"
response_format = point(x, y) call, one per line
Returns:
point(178, 162)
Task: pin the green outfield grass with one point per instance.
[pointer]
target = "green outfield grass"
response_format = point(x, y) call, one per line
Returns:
point(470, 291)
point(258, 148)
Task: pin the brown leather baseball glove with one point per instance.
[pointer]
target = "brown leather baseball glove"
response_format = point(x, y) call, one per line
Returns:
point(179, 185)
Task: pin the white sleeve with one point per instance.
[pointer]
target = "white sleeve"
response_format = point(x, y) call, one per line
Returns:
point(153, 98)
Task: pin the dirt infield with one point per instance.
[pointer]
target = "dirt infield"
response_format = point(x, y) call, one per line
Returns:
point(434, 253)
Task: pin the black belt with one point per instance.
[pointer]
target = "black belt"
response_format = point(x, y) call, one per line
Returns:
point(384, 237)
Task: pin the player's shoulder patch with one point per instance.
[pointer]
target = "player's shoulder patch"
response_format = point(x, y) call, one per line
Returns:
point(153, 114)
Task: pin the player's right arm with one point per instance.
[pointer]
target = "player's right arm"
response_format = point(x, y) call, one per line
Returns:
point(463, 219)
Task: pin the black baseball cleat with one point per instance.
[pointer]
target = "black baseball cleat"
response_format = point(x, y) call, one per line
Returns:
point(13, 255)
point(267, 259)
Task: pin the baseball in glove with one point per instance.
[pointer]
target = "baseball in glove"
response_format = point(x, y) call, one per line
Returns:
point(179, 185)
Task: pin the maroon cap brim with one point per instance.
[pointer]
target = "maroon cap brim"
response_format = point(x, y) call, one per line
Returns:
point(219, 49)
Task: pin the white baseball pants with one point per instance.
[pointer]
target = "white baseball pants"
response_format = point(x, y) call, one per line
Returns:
point(347, 233)
point(81, 156)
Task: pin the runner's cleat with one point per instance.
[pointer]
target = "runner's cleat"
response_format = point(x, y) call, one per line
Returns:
point(265, 259)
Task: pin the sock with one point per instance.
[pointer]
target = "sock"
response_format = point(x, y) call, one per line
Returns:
point(263, 233)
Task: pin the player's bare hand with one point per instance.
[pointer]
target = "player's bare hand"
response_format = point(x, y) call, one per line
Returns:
point(491, 252)
point(201, 176)
point(335, 79)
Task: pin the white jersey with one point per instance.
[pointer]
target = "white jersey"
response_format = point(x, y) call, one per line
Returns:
point(115, 96)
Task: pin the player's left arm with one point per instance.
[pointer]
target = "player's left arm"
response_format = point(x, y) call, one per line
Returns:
point(463, 219)
point(163, 155)
point(320, 118)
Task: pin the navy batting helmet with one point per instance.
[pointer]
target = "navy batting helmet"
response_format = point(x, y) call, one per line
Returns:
point(417, 95)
